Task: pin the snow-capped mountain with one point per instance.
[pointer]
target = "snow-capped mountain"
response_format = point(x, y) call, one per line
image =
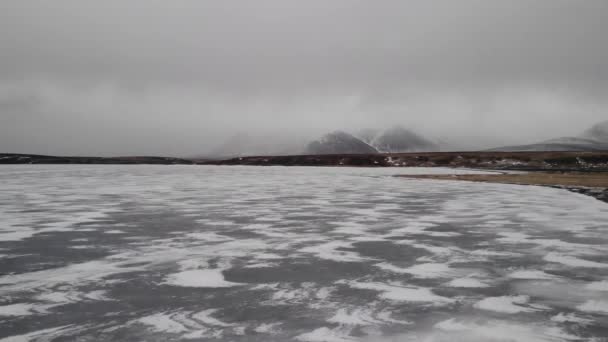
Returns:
point(393, 140)
point(339, 142)
point(398, 139)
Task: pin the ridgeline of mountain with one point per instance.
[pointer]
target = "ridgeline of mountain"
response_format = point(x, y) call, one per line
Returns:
point(398, 139)
point(339, 142)
point(393, 140)
point(368, 135)
point(593, 139)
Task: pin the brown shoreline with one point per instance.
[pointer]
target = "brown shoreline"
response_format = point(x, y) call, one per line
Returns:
point(594, 184)
point(579, 179)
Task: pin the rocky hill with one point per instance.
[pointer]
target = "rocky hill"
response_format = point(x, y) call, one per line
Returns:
point(398, 140)
point(339, 142)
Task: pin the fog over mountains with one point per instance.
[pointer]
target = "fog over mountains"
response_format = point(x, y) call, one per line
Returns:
point(598, 132)
point(395, 139)
point(127, 77)
point(368, 141)
point(250, 144)
point(593, 139)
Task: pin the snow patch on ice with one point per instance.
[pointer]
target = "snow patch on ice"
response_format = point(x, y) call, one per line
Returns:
point(401, 293)
point(530, 274)
point(206, 318)
point(44, 334)
point(572, 261)
point(330, 251)
point(597, 306)
point(598, 286)
point(63, 297)
point(570, 318)
point(357, 316)
point(115, 231)
point(495, 331)
point(426, 270)
point(208, 237)
point(23, 309)
point(162, 322)
point(325, 334)
point(505, 304)
point(467, 283)
point(213, 278)
point(267, 328)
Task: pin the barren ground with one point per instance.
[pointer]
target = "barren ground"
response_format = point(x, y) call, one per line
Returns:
point(597, 179)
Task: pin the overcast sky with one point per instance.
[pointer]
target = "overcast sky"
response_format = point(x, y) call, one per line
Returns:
point(179, 77)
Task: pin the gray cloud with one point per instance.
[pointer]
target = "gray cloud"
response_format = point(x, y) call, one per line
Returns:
point(158, 77)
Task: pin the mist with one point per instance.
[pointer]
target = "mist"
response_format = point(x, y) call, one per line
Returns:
point(180, 78)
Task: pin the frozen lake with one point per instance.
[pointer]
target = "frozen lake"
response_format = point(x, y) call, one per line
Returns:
point(157, 253)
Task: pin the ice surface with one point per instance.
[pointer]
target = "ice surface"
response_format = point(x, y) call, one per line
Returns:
point(155, 253)
point(402, 293)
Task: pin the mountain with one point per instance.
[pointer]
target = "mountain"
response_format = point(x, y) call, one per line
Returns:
point(593, 139)
point(398, 139)
point(393, 140)
point(339, 142)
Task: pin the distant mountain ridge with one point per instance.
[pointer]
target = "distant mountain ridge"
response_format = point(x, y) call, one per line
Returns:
point(398, 140)
point(393, 140)
point(592, 139)
point(339, 142)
